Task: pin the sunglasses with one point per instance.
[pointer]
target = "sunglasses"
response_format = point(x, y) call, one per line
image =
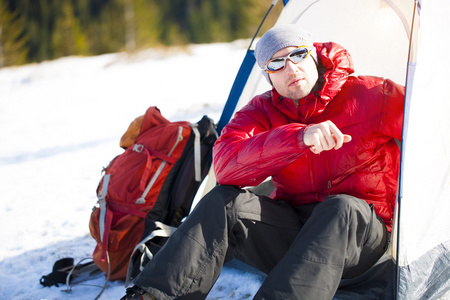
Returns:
point(279, 63)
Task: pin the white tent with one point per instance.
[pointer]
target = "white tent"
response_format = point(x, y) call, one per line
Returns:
point(424, 198)
point(406, 41)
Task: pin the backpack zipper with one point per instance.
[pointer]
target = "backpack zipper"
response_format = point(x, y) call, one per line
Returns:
point(141, 200)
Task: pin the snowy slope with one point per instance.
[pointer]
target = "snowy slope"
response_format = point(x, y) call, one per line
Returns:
point(60, 123)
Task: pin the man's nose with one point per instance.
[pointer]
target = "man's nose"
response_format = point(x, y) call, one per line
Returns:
point(290, 66)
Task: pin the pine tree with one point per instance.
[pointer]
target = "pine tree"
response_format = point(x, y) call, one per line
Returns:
point(67, 37)
point(148, 23)
point(48, 29)
point(130, 40)
point(13, 39)
point(112, 26)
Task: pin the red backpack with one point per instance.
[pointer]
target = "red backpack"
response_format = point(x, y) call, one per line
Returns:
point(132, 184)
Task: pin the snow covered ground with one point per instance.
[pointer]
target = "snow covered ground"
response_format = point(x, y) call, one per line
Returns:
point(60, 123)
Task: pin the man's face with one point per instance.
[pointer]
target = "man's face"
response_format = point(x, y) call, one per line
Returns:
point(295, 81)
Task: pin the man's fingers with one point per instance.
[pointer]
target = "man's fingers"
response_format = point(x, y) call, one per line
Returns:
point(316, 143)
point(325, 136)
point(330, 141)
point(326, 141)
point(337, 135)
point(325, 131)
point(347, 138)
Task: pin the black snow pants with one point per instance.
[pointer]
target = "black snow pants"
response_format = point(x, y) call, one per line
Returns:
point(305, 250)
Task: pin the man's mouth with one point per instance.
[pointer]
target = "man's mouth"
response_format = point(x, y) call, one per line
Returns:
point(296, 81)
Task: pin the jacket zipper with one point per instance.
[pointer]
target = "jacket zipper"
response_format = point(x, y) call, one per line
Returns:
point(311, 173)
point(329, 184)
point(141, 199)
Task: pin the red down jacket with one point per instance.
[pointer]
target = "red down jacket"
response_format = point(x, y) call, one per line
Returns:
point(265, 138)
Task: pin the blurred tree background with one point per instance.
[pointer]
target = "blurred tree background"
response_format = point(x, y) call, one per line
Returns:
point(38, 30)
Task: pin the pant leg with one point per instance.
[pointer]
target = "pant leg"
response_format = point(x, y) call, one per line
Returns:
point(342, 238)
point(226, 221)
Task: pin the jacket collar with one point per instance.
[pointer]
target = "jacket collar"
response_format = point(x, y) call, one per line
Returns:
point(335, 64)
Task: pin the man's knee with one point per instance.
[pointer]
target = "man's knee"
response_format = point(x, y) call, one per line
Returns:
point(218, 199)
point(347, 204)
point(236, 203)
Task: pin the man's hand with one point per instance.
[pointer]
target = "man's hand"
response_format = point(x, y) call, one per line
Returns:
point(324, 136)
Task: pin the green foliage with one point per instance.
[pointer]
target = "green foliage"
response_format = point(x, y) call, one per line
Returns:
point(147, 23)
point(67, 37)
point(38, 30)
point(13, 38)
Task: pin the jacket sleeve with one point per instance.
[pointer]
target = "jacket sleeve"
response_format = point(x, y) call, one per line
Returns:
point(392, 112)
point(250, 150)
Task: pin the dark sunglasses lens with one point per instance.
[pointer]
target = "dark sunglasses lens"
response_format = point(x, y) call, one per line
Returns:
point(298, 55)
point(276, 64)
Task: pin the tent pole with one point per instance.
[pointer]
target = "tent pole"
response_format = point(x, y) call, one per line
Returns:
point(409, 81)
point(262, 22)
point(241, 79)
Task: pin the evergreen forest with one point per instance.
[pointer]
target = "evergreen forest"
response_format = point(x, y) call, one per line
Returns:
point(38, 30)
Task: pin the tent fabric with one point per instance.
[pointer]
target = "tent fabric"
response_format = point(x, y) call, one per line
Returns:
point(378, 35)
point(424, 199)
point(370, 30)
point(428, 276)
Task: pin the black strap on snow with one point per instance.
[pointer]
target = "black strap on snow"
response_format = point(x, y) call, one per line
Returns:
point(60, 270)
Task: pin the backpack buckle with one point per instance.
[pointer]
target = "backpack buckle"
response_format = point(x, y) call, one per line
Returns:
point(138, 148)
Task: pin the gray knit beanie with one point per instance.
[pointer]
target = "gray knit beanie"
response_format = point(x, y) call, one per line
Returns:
point(280, 37)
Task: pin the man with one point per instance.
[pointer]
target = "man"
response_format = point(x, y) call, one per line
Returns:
point(327, 139)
